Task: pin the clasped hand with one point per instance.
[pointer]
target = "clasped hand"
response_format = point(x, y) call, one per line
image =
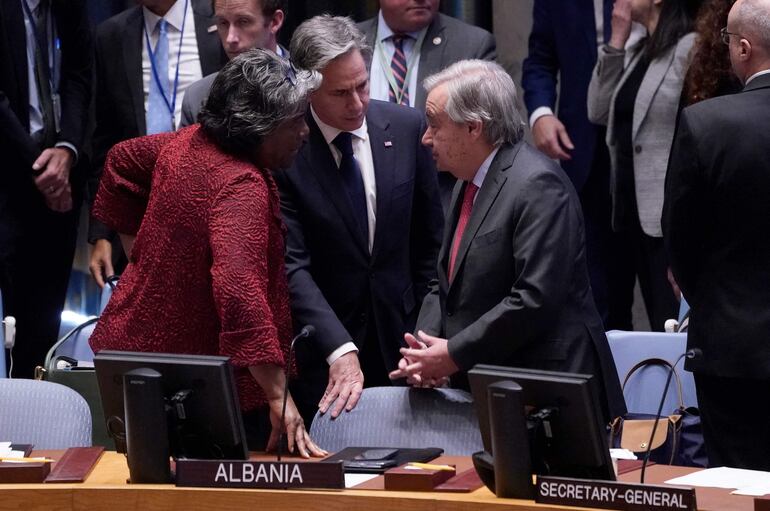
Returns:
point(426, 361)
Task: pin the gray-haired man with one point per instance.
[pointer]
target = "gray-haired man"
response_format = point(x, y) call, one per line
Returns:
point(364, 221)
point(513, 286)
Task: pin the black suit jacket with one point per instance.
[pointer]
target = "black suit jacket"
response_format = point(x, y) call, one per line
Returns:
point(335, 284)
point(447, 41)
point(18, 149)
point(119, 95)
point(716, 223)
point(520, 295)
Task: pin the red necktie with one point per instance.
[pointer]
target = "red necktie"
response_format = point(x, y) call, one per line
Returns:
point(465, 214)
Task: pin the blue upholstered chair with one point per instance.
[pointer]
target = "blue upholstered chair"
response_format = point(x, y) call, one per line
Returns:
point(403, 417)
point(645, 387)
point(45, 414)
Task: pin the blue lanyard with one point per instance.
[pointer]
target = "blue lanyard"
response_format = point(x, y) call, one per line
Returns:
point(54, 47)
point(171, 105)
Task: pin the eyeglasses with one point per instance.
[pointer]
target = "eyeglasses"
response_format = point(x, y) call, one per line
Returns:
point(725, 36)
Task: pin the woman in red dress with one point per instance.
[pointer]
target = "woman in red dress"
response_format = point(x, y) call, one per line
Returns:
point(206, 270)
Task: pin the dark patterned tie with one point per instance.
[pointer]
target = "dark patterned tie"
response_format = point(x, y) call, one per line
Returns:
point(354, 183)
point(398, 66)
point(462, 221)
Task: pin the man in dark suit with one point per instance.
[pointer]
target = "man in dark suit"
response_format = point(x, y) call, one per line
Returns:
point(364, 222)
point(242, 25)
point(45, 91)
point(716, 220)
point(124, 77)
point(427, 42)
point(563, 47)
point(512, 283)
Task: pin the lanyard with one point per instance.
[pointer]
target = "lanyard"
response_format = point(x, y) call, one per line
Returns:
point(171, 105)
point(384, 63)
point(54, 47)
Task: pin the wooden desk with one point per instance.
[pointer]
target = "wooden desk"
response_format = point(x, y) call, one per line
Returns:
point(106, 488)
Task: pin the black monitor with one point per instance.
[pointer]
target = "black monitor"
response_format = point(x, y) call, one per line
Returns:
point(198, 406)
point(564, 428)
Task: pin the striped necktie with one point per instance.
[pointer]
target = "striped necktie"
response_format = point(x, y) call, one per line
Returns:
point(398, 66)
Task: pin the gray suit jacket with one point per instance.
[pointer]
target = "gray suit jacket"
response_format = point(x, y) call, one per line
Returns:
point(447, 41)
point(520, 295)
point(654, 123)
point(197, 94)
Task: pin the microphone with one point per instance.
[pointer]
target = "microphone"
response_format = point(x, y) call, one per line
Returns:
point(307, 331)
point(691, 354)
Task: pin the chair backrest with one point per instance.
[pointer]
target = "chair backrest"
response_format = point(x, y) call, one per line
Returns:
point(3, 369)
point(403, 417)
point(76, 346)
point(645, 387)
point(44, 414)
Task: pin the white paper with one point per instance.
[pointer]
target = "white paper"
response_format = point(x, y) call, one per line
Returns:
point(352, 480)
point(622, 454)
point(754, 491)
point(724, 477)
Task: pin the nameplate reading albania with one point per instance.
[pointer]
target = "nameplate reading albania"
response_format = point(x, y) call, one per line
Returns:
point(613, 495)
point(259, 474)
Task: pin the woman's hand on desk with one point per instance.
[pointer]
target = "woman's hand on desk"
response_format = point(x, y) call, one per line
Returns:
point(296, 434)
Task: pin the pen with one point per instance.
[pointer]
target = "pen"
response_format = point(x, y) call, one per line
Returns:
point(28, 460)
point(429, 466)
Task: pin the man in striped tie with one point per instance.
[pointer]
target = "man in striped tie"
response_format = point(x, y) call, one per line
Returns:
point(512, 281)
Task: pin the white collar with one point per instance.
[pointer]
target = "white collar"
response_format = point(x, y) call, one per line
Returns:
point(384, 31)
point(760, 73)
point(481, 174)
point(330, 132)
point(174, 17)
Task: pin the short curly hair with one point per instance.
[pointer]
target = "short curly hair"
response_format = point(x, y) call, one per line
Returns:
point(251, 96)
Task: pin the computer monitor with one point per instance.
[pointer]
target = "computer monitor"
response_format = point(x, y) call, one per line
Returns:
point(569, 439)
point(198, 394)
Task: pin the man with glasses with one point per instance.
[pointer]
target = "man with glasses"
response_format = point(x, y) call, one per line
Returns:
point(716, 219)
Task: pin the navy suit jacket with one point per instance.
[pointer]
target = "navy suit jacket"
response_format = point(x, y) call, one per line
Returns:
point(17, 148)
point(335, 284)
point(563, 44)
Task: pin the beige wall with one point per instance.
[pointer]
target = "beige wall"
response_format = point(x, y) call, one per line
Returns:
point(512, 23)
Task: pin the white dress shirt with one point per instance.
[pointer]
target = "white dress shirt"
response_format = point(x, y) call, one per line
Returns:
point(378, 82)
point(481, 174)
point(763, 72)
point(362, 152)
point(188, 60)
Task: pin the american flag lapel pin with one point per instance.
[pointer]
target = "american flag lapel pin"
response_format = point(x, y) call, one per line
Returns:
point(388, 143)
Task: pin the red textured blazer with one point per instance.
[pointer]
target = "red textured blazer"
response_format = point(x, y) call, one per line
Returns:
point(206, 273)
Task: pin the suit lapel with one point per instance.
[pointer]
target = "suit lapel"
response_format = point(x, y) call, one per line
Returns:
point(17, 36)
point(132, 42)
point(650, 85)
point(321, 163)
point(431, 55)
point(210, 52)
point(383, 157)
point(449, 230)
point(486, 196)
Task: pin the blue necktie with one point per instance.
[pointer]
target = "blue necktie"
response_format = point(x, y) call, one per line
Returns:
point(158, 116)
point(354, 183)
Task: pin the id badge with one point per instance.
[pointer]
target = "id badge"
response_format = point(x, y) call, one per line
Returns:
point(56, 100)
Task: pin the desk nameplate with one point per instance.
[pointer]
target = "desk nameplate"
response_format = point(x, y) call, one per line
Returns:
point(259, 474)
point(614, 495)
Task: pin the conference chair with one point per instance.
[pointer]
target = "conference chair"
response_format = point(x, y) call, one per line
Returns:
point(403, 417)
point(44, 414)
point(645, 387)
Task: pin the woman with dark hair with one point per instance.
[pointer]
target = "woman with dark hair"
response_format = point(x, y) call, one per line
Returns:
point(711, 73)
point(206, 269)
point(639, 103)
